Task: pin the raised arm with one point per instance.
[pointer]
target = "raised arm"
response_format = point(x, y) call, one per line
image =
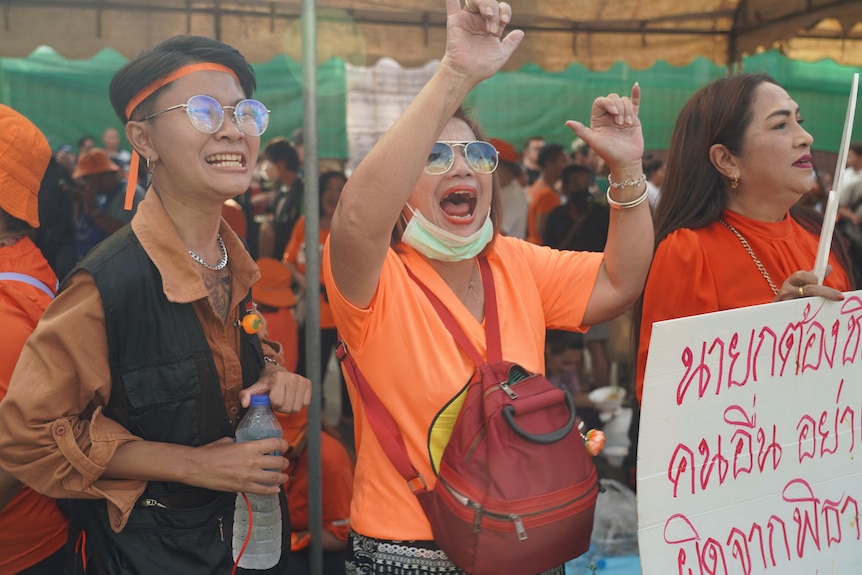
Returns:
point(615, 134)
point(376, 192)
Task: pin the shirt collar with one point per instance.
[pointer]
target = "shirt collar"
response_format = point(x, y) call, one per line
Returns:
point(181, 277)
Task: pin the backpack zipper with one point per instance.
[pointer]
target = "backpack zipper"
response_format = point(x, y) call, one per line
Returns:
point(506, 388)
point(520, 530)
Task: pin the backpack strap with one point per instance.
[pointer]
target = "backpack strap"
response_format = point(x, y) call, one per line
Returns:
point(385, 428)
point(492, 319)
point(16, 277)
point(382, 423)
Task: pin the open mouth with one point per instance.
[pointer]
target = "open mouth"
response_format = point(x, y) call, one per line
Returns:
point(459, 205)
point(225, 160)
point(803, 162)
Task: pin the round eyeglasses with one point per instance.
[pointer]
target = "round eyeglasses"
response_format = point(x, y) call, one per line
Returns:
point(206, 115)
point(482, 157)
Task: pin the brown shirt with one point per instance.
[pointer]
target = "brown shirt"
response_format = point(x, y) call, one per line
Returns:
point(47, 440)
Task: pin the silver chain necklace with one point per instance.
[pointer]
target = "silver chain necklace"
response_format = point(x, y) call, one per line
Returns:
point(750, 251)
point(222, 261)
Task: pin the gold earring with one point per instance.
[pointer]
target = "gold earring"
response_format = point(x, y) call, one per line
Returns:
point(734, 183)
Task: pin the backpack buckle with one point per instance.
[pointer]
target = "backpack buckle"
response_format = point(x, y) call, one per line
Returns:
point(417, 485)
point(340, 350)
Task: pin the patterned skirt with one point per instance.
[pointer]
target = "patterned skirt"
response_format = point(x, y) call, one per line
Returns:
point(369, 556)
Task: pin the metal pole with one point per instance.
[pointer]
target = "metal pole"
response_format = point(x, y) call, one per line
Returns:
point(312, 283)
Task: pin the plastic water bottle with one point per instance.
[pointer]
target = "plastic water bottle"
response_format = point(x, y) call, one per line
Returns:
point(264, 546)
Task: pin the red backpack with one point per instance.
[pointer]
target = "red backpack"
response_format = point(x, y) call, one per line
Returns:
point(516, 489)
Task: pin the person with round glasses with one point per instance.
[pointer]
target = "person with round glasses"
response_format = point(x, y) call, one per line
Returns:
point(424, 204)
point(129, 391)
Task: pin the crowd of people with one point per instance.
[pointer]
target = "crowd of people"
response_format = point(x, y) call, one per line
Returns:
point(126, 277)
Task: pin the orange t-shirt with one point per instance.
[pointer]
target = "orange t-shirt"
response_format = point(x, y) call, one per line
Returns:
point(295, 254)
point(707, 270)
point(415, 367)
point(543, 199)
point(31, 526)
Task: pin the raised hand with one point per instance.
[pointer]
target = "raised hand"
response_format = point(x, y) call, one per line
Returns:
point(475, 45)
point(615, 131)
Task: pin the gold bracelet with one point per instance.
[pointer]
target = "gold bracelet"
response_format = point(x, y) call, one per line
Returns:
point(627, 205)
point(469, 8)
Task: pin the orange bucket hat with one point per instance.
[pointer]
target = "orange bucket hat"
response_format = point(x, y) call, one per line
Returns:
point(94, 162)
point(505, 150)
point(24, 157)
point(273, 287)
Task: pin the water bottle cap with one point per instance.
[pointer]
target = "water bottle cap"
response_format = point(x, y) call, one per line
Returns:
point(259, 400)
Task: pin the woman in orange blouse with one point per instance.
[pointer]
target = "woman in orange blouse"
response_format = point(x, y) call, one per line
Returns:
point(728, 231)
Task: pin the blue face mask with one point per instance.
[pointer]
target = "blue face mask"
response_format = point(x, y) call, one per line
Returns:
point(438, 244)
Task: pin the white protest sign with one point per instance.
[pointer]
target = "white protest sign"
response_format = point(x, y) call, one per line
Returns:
point(750, 448)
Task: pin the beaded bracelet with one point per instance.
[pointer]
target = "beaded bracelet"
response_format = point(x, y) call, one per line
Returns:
point(635, 202)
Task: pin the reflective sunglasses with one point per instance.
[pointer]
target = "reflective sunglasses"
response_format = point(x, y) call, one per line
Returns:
point(207, 115)
point(481, 157)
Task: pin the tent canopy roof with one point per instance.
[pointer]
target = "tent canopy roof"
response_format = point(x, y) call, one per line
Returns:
point(595, 33)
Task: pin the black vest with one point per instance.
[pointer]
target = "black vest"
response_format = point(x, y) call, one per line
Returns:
point(164, 388)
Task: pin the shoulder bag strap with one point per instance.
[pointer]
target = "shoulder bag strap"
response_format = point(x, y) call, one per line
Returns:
point(385, 428)
point(16, 277)
point(381, 421)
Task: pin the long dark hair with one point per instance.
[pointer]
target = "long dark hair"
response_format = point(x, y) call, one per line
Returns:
point(695, 193)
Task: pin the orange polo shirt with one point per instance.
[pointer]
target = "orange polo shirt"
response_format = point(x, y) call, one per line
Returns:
point(415, 367)
point(31, 526)
point(707, 269)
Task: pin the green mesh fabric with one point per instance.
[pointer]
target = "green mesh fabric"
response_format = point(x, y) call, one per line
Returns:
point(69, 98)
point(515, 105)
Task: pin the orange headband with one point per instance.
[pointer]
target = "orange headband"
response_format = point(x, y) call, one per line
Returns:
point(148, 91)
point(175, 75)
